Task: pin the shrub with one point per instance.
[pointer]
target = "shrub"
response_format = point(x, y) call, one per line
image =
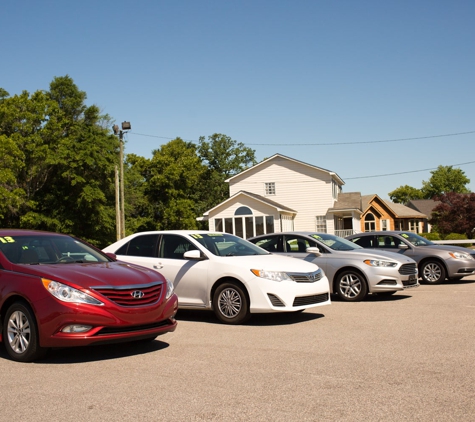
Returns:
point(431, 236)
point(458, 236)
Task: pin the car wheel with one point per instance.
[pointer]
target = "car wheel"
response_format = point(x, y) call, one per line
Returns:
point(230, 304)
point(351, 286)
point(432, 272)
point(20, 334)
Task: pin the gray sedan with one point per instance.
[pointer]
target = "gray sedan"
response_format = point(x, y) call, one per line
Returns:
point(436, 262)
point(352, 271)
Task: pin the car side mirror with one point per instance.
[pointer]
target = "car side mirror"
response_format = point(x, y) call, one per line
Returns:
point(112, 255)
point(403, 246)
point(314, 250)
point(194, 255)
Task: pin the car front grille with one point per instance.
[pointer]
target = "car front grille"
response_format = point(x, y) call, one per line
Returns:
point(408, 269)
point(132, 295)
point(306, 277)
point(310, 300)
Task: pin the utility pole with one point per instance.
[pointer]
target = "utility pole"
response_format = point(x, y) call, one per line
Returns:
point(120, 196)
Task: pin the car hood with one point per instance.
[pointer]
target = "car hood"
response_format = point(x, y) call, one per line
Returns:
point(93, 274)
point(369, 253)
point(443, 248)
point(269, 262)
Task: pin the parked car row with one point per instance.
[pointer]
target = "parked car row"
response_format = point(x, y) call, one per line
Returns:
point(353, 272)
point(436, 262)
point(58, 291)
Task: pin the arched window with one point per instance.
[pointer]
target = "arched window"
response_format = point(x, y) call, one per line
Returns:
point(243, 211)
point(369, 223)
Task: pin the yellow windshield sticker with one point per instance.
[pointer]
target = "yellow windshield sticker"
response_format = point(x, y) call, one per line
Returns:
point(7, 239)
point(404, 235)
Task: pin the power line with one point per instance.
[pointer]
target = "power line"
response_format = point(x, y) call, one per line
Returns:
point(328, 143)
point(404, 172)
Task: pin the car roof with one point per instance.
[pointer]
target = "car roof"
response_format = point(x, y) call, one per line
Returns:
point(380, 233)
point(27, 232)
point(179, 232)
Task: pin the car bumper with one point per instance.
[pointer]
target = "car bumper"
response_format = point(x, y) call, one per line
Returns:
point(460, 267)
point(287, 296)
point(392, 282)
point(109, 324)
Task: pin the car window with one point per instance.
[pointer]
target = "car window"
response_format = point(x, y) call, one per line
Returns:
point(270, 243)
point(52, 249)
point(387, 242)
point(225, 244)
point(173, 246)
point(415, 239)
point(294, 243)
point(334, 242)
point(365, 241)
point(143, 245)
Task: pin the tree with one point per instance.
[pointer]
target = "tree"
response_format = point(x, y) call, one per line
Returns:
point(455, 214)
point(224, 158)
point(173, 180)
point(443, 180)
point(59, 173)
point(404, 194)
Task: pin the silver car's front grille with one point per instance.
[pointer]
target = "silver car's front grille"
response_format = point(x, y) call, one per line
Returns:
point(408, 269)
point(306, 277)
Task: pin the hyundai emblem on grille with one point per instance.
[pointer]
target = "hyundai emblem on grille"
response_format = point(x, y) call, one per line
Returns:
point(137, 294)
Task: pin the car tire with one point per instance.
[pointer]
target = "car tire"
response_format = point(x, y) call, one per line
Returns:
point(432, 272)
point(231, 304)
point(351, 286)
point(20, 334)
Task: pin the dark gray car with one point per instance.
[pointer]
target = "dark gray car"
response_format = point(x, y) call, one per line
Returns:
point(436, 262)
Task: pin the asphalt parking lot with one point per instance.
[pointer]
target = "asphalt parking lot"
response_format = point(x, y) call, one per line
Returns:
point(409, 357)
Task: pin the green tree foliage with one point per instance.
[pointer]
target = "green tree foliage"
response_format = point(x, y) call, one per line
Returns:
point(455, 214)
point(403, 194)
point(224, 158)
point(173, 179)
point(58, 171)
point(444, 179)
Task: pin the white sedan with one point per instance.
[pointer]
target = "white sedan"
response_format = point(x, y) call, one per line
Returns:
point(225, 273)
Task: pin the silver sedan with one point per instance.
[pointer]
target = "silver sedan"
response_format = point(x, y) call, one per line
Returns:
point(352, 271)
point(436, 262)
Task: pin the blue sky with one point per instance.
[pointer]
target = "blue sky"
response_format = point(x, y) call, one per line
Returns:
point(320, 81)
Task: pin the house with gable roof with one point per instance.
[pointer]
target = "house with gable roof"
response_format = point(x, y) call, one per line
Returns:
point(283, 194)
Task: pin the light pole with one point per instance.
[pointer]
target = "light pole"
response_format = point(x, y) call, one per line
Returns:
point(120, 198)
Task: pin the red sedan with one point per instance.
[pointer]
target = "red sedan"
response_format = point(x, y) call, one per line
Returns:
point(58, 291)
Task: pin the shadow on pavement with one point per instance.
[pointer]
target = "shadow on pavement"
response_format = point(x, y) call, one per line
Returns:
point(277, 318)
point(96, 353)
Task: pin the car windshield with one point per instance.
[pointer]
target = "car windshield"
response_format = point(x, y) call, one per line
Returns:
point(334, 242)
point(48, 249)
point(224, 244)
point(415, 239)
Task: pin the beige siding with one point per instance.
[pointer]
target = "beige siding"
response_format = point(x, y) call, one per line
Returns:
point(302, 188)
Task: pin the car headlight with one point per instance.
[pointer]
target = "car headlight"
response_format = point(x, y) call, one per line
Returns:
point(271, 275)
point(170, 288)
point(68, 294)
point(460, 255)
point(379, 263)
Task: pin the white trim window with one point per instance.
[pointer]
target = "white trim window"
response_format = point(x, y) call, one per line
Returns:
point(320, 224)
point(270, 188)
